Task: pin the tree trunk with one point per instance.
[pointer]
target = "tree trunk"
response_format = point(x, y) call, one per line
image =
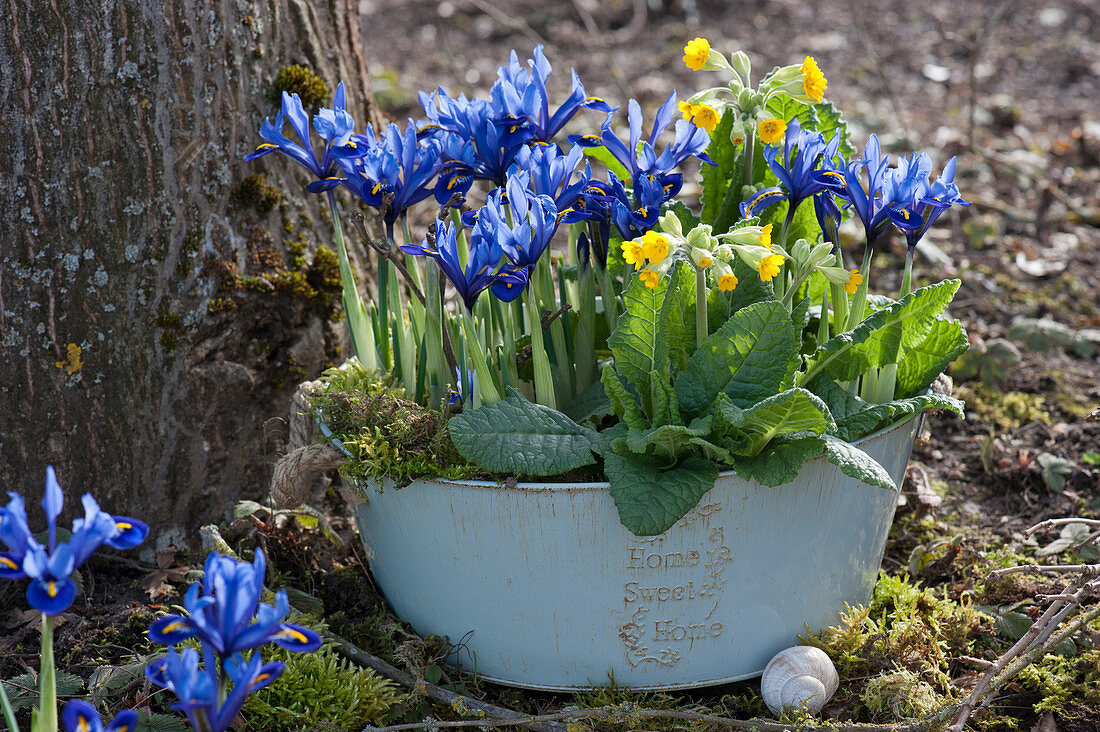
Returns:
point(158, 304)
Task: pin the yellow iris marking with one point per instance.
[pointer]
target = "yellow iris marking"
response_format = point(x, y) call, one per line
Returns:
point(8, 563)
point(833, 173)
point(759, 197)
point(122, 526)
point(82, 725)
point(591, 137)
point(377, 187)
point(51, 589)
point(259, 679)
point(905, 214)
point(263, 145)
point(174, 626)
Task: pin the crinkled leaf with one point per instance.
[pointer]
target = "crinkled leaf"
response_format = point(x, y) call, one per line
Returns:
point(781, 462)
point(604, 440)
point(882, 336)
point(518, 437)
point(592, 403)
point(790, 411)
point(922, 363)
point(623, 403)
point(856, 418)
point(677, 318)
point(855, 463)
point(670, 441)
point(665, 408)
point(635, 343)
point(649, 499)
point(750, 358)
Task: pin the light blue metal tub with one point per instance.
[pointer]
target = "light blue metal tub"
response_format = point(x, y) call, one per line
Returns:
point(543, 588)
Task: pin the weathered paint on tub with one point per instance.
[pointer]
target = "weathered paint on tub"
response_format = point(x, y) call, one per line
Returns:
point(543, 588)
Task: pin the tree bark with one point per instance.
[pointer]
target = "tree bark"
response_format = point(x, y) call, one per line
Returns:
point(157, 306)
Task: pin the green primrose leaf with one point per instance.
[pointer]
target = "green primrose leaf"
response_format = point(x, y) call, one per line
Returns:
point(883, 337)
point(793, 410)
point(750, 358)
point(519, 437)
point(856, 418)
point(669, 441)
point(623, 403)
point(636, 344)
point(651, 499)
point(781, 462)
point(592, 403)
point(722, 181)
point(677, 318)
point(922, 363)
point(855, 463)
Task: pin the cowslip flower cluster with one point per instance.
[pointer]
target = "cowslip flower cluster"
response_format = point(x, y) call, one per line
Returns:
point(50, 566)
point(225, 614)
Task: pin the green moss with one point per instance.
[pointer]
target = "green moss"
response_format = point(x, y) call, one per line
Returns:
point(905, 627)
point(171, 327)
point(255, 193)
point(387, 435)
point(297, 79)
point(899, 695)
point(221, 305)
point(1005, 410)
point(320, 691)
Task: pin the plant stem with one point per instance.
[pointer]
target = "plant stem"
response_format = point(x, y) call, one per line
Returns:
point(859, 303)
point(907, 276)
point(5, 706)
point(840, 300)
point(544, 380)
point(750, 152)
point(47, 680)
point(701, 331)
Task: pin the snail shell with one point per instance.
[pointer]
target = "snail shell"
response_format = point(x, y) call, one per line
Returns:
point(801, 677)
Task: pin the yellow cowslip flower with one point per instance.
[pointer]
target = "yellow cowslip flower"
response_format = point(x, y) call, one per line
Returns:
point(813, 81)
point(770, 131)
point(700, 257)
point(766, 235)
point(654, 246)
point(705, 117)
point(769, 266)
point(855, 279)
point(632, 254)
point(685, 109)
point(727, 282)
point(649, 278)
point(696, 53)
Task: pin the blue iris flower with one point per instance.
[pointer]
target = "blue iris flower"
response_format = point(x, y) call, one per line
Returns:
point(640, 156)
point(552, 173)
point(228, 616)
point(50, 567)
point(520, 96)
point(196, 685)
point(534, 221)
point(925, 200)
point(397, 164)
point(632, 213)
point(481, 270)
point(333, 125)
point(80, 716)
point(794, 165)
point(477, 144)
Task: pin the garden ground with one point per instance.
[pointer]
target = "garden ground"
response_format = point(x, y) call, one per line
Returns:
point(1009, 87)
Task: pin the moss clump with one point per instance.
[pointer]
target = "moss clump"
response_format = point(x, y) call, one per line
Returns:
point(324, 273)
point(255, 193)
point(320, 691)
point(906, 627)
point(171, 327)
point(387, 435)
point(900, 695)
point(1005, 410)
point(296, 79)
